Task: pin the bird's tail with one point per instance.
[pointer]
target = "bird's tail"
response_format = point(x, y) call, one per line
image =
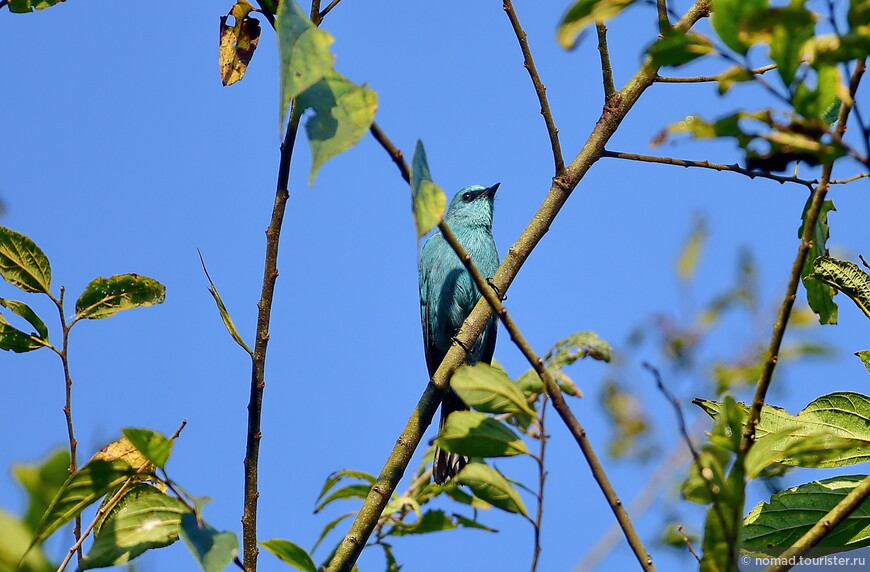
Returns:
point(446, 465)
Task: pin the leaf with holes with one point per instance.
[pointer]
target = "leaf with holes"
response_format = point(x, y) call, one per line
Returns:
point(105, 297)
point(845, 276)
point(237, 42)
point(22, 263)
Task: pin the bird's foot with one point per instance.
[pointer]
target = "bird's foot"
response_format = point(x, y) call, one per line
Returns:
point(497, 291)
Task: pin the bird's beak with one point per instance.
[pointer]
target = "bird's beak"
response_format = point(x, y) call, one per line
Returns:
point(490, 192)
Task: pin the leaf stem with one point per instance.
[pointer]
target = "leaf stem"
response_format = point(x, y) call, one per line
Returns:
point(542, 478)
point(709, 78)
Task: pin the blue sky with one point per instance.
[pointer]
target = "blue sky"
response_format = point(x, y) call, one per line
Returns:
point(125, 154)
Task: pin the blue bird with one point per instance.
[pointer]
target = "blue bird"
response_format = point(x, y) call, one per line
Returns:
point(448, 294)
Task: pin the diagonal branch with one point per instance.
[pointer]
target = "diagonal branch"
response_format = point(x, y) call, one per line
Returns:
point(351, 546)
point(540, 89)
point(555, 394)
point(735, 168)
point(779, 326)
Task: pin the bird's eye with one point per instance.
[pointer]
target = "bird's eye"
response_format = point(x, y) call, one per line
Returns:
point(466, 197)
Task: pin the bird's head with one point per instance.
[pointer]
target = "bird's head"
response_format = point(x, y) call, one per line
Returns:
point(472, 206)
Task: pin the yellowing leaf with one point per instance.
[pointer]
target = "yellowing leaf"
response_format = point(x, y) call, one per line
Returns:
point(237, 42)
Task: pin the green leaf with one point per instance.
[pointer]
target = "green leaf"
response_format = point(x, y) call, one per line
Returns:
point(734, 74)
point(334, 478)
point(797, 448)
point(429, 201)
point(489, 389)
point(817, 103)
point(728, 19)
point(582, 13)
point(23, 6)
point(820, 296)
point(791, 28)
point(153, 445)
point(687, 262)
point(13, 339)
point(237, 42)
point(14, 535)
point(845, 276)
point(678, 48)
point(431, 521)
point(577, 346)
point(82, 488)
point(105, 297)
point(476, 434)
point(304, 52)
point(790, 513)
point(222, 310)
point(864, 356)
point(23, 310)
point(42, 481)
point(839, 415)
point(859, 15)
point(143, 518)
point(489, 485)
point(343, 113)
point(22, 263)
point(290, 553)
point(212, 549)
point(348, 492)
point(329, 527)
point(832, 49)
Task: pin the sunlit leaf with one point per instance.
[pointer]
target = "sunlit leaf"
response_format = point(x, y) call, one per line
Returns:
point(334, 478)
point(864, 356)
point(154, 446)
point(343, 113)
point(429, 201)
point(790, 514)
point(290, 553)
point(839, 415)
point(83, 488)
point(105, 297)
point(845, 276)
point(820, 296)
point(13, 339)
point(22, 263)
point(582, 13)
point(213, 550)
point(304, 52)
point(476, 434)
point(348, 492)
point(23, 6)
point(124, 450)
point(237, 42)
point(14, 536)
point(144, 518)
point(222, 310)
point(728, 18)
point(791, 28)
point(491, 486)
point(731, 76)
point(678, 48)
point(489, 389)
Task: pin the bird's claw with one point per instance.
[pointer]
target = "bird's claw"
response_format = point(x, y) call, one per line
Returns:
point(497, 291)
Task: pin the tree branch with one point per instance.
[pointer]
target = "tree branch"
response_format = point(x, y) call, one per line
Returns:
point(606, 67)
point(735, 168)
point(779, 326)
point(540, 89)
point(351, 546)
point(258, 366)
point(823, 527)
point(664, 22)
point(708, 78)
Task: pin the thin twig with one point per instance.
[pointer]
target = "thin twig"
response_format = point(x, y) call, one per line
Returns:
point(540, 90)
point(849, 180)
point(351, 546)
point(779, 326)
point(664, 22)
point(394, 152)
point(555, 393)
point(542, 478)
point(67, 407)
point(688, 543)
point(258, 367)
point(823, 527)
point(708, 78)
point(735, 168)
point(606, 66)
point(328, 8)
